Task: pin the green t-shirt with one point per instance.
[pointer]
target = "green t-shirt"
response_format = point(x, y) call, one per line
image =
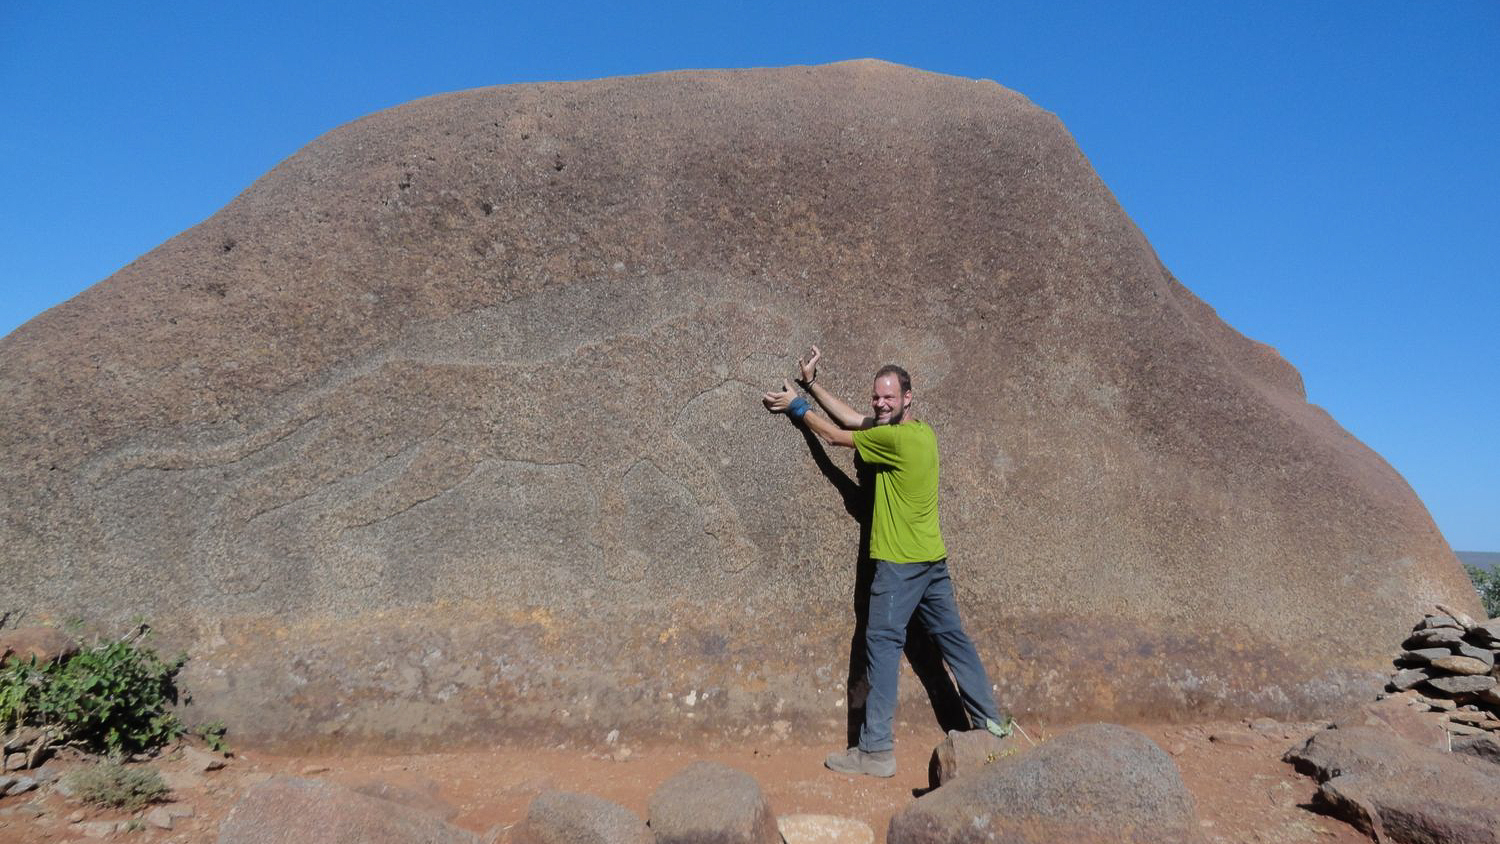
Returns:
point(904, 525)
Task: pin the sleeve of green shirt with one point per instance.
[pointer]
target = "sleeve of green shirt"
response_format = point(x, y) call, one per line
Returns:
point(880, 445)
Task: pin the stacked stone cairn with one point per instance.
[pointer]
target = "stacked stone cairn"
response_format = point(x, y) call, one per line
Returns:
point(1448, 665)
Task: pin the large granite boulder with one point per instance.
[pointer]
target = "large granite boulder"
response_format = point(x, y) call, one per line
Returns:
point(1095, 784)
point(449, 425)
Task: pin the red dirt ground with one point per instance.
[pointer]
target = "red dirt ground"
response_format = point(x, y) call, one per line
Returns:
point(1244, 792)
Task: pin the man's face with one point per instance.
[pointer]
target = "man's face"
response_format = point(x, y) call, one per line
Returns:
point(888, 402)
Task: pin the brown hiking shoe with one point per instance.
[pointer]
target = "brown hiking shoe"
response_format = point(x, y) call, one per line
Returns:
point(881, 763)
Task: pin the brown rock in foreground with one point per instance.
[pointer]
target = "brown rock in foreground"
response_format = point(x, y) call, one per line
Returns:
point(1399, 791)
point(712, 803)
point(286, 809)
point(558, 817)
point(1093, 784)
point(963, 752)
point(453, 416)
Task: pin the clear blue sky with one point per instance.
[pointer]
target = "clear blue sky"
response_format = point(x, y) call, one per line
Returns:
point(1326, 174)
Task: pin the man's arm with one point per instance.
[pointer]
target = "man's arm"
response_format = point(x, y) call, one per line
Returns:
point(846, 416)
point(781, 401)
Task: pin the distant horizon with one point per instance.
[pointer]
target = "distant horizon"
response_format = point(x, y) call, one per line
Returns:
point(1321, 175)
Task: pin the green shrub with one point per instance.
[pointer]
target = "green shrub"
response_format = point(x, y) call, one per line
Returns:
point(212, 734)
point(1487, 584)
point(112, 697)
point(114, 785)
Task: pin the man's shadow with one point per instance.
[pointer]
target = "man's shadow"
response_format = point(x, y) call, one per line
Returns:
point(926, 661)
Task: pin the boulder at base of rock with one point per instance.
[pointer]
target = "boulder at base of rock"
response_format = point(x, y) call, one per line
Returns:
point(1095, 783)
point(287, 809)
point(1419, 805)
point(559, 817)
point(1345, 749)
point(709, 803)
point(824, 829)
point(46, 644)
point(1398, 791)
point(1396, 715)
point(965, 751)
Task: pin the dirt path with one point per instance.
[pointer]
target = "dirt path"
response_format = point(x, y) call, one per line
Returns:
point(1244, 793)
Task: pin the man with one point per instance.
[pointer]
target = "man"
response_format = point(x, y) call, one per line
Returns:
point(906, 547)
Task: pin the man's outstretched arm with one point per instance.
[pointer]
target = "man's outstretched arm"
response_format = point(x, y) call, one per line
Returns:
point(843, 414)
point(783, 402)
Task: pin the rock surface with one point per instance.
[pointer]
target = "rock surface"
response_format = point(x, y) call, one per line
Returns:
point(1482, 747)
point(478, 375)
point(824, 829)
point(1095, 783)
point(44, 644)
point(710, 803)
point(1398, 791)
point(1399, 716)
point(1461, 684)
point(558, 817)
point(287, 809)
point(965, 751)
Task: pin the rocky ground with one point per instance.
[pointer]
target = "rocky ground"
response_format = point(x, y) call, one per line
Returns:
point(1417, 765)
point(1243, 791)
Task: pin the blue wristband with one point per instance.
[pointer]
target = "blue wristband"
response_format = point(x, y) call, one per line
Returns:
point(798, 408)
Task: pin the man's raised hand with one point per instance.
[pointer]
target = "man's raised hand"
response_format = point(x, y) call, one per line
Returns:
point(809, 367)
point(777, 402)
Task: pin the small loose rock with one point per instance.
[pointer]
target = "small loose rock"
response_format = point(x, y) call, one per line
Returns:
point(1234, 738)
point(1436, 704)
point(1459, 684)
point(21, 785)
point(824, 829)
point(199, 760)
point(98, 829)
point(1461, 665)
